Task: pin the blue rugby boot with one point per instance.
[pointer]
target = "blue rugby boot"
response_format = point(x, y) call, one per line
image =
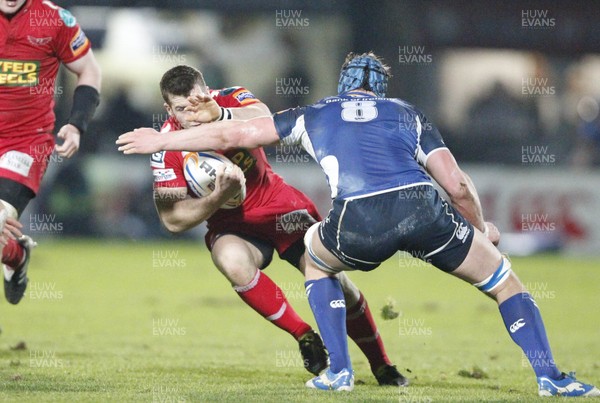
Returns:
point(342, 381)
point(566, 386)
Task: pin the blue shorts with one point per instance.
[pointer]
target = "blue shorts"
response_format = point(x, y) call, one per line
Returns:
point(363, 232)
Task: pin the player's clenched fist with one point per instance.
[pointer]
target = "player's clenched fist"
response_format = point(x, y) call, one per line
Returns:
point(229, 182)
point(492, 232)
point(70, 136)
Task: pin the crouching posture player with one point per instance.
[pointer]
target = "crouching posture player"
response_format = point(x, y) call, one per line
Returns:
point(373, 169)
point(242, 239)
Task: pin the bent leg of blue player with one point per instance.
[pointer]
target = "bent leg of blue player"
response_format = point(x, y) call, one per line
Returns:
point(489, 271)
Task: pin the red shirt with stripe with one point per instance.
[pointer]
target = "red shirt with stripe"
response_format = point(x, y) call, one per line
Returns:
point(33, 44)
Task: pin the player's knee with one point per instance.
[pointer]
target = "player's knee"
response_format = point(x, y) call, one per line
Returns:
point(308, 236)
point(318, 262)
point(237, 270)
point(498, 279)
point(10, 209)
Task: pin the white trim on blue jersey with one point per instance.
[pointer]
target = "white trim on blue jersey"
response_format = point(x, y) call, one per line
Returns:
point(420, 155)
point(426, 156)
point(455, 222)
point(299, 135)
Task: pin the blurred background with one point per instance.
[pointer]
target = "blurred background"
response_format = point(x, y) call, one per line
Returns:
point(512, 86)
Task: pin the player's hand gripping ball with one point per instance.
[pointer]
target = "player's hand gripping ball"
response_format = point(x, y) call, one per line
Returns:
point(200, 171)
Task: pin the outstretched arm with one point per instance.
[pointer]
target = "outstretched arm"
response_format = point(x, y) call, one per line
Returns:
point(253, 133)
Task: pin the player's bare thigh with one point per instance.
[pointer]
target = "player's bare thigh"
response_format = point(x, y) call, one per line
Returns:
point(236, 258)
point(481, 262)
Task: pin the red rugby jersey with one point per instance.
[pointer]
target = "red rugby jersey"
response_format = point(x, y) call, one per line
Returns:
point(262, 184)
point(33, 43)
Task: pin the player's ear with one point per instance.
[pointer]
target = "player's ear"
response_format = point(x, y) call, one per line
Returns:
point(168, 108)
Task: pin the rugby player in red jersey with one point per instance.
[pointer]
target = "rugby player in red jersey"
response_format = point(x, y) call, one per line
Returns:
point(242, 239)
point(35, 38)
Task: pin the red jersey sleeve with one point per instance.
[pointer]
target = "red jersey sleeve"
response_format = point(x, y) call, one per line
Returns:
point(234, 97)
point(71, 42)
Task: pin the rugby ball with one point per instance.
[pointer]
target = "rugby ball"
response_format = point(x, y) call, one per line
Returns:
point(200, 171)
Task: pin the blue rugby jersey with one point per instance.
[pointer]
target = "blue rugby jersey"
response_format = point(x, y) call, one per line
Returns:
point(365, 144)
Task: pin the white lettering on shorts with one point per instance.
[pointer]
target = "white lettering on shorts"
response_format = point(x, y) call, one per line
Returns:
point(17, 162)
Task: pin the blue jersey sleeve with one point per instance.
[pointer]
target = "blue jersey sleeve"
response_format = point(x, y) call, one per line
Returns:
point(429, 139)
point(285, 123)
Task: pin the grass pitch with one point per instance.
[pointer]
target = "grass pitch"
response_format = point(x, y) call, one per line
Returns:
point(137, 322)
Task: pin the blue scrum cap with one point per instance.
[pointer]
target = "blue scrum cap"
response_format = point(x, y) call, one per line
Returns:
point(364, 71)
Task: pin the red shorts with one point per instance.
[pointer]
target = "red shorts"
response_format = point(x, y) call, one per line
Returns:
point(24, 159)
point(281, 222)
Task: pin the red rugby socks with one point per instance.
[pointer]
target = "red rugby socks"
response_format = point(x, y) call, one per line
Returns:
point(363, 331)
point(266, 298)
point(12, 254)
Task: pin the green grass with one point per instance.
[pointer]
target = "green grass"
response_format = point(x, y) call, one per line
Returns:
point(109, 322)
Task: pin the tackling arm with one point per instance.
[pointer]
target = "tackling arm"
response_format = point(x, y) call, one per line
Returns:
point(224, 135)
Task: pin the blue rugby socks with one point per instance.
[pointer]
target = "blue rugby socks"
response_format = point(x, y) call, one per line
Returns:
point(327, 302)
point(525, 326)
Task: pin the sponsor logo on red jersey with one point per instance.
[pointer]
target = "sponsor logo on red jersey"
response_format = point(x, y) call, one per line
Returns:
point(244, 97)
point(78, 43)
point(19, 73)
point(39, 41)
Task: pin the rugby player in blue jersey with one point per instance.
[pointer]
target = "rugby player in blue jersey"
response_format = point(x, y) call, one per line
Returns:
point(380, 156)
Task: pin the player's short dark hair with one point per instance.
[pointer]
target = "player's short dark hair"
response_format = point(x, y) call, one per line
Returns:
point(180, 81)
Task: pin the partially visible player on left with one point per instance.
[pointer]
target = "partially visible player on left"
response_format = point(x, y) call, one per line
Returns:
point(35, 38)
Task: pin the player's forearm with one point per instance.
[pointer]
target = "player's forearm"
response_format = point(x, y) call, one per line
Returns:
point(188, 213)
point(222, 136)
point(466, 201)
point(92, 78)
point(212, 136)
point(87, 91)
